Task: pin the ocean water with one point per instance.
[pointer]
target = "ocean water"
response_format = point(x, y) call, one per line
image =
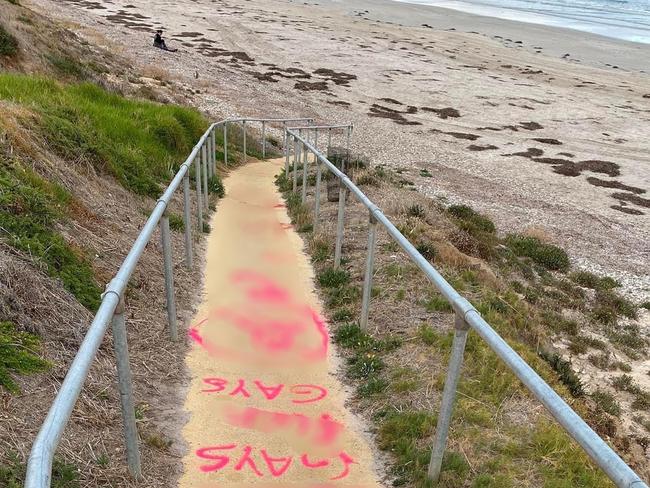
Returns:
point(621, 19)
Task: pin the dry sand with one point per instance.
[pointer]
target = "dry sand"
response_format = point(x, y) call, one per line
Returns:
point(257, 345)
point(252, 58)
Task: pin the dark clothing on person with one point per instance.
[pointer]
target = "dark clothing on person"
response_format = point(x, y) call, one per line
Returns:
point(159, 42)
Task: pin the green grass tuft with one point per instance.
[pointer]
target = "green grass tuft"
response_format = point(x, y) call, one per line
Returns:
point(565, 372)
point(437, 303)
point(547, 255)
point(8, 43)
point(140, 143)
point(333, 278)
point(606, 402)
point(609, 306)
point(29, 208)
point(18, 355)
point(215, 186)
point(12, 473)
point(176, 222)
point(595, 282)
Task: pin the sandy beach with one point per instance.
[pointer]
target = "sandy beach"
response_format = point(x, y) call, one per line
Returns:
point(535, 126)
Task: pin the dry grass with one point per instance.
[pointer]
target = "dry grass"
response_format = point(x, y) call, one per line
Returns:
point(492, 407)
point(104, 220)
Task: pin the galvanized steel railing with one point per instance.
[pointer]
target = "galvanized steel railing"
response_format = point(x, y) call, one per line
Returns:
point(466, 317)
point(111, 310)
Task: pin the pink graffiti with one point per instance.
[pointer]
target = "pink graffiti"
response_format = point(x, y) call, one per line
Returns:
point(320, 432)
point(300, 393)
point(275, 466)
point(272, 337)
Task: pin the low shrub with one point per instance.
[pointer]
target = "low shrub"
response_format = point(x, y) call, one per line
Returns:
point(29, 208)
point(565, 372)
point(595, 282)
point(333, 278)
point(547, 255)
point(606, 402)
point(8, 43)
point(18, 355)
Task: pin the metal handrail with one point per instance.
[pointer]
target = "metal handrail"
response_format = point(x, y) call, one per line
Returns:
point(111, 310)
point(466, 317)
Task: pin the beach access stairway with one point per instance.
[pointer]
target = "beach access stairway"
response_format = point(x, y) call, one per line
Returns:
point(301, 144)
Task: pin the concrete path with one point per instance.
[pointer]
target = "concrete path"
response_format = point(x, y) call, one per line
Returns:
point(265, 408)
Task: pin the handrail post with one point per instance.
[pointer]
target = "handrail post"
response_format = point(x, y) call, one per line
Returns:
point(286, 152)
point(208, 142)
point(317, 189)
point(340, 225)
point(125, 385)
point(243, 125)
point(286, 138)
point(329, 143)
point(448, 396)
point(295, 163)
point(305, 164)
point(169, 276)
point(225, 143)
point(187, 220)
point(208, 157)
point(263, 140)
point(199, 202)
point(370, 260)
point(347, 161)
point(213, 139)
point(204, 167)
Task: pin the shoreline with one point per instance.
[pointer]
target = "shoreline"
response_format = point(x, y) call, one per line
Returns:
point(548, 18)
point(585, 48)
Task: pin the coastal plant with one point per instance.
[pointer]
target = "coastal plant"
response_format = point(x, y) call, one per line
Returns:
point(176, 222)
point(607, 402)
point(593, 281)
point(8, 43)
point(18, 355)
point(136, 141)
point(29, 209)
point(549, 256)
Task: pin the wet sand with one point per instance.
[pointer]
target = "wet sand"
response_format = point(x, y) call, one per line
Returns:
point(492, 109)
point(264, 404)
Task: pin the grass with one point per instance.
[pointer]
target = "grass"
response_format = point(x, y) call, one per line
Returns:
point(8, 43)
point(416, 210)
point(606, 402)
point(67, 67)
point(501, 453)
point(18, 355)
point(477, 233)
point(595, 282)
point(365, 362)
point(471, 220)
point(140, 143)
point(319, 248)
point(176, 222)
point(215, 186)
point(547, 255)
point(301, 215)
point(565, 373)
point(12, 473)
point(609, 306)
point(29, 208)
point(333, 278)
point(435, 302)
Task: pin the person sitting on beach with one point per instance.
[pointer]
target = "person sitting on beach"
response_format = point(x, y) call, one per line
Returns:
point(160, 43)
